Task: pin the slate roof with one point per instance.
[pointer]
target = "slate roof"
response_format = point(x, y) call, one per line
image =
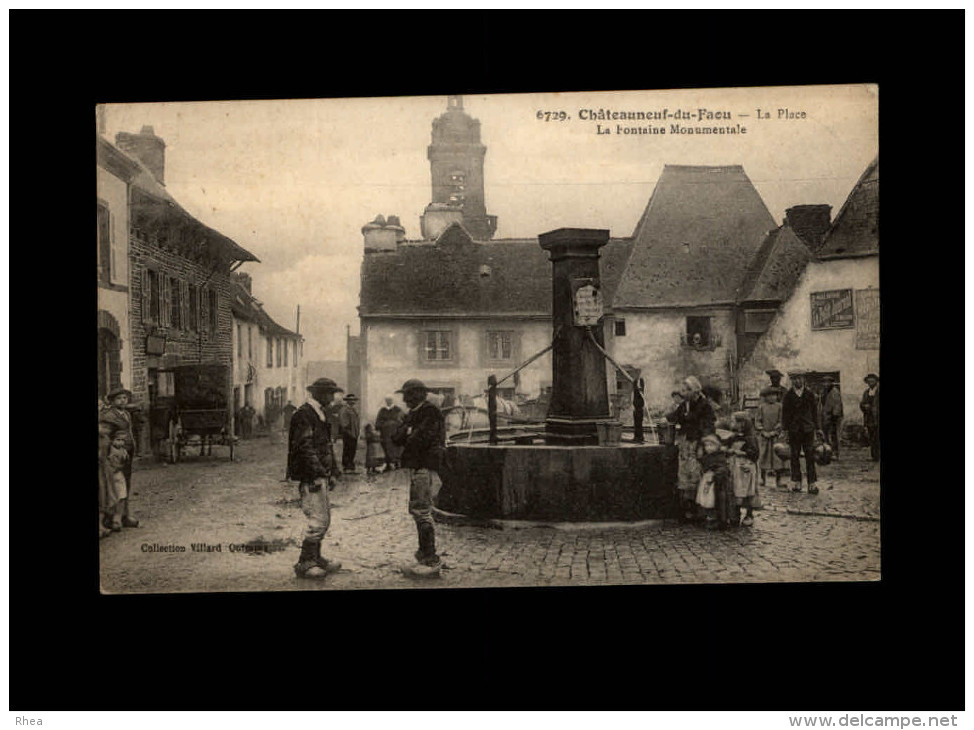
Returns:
point(855, 230)
point(245, 307)
point(720, 214)
point(445, 278)
point(146, 183)
point(776, 267)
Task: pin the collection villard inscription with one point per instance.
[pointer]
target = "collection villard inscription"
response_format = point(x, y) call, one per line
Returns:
point(701, 121)
point(205, 547)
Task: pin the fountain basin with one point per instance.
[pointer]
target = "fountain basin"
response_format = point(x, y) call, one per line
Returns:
point(627, 482)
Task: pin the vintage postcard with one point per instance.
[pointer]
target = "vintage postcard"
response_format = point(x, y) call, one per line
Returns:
point(452, 341)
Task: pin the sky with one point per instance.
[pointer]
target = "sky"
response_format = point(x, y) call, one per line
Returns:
point(294, 181)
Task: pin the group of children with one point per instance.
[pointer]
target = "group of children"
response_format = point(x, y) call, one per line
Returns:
point(729, 481)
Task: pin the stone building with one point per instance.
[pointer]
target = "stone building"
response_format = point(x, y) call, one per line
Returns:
point(178, 285)
point(114, 173)
point(830, 324)
point(695, 248)
point(268, 367)
point(454, 310)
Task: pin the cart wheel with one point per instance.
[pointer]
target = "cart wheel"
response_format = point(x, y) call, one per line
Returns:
point(173, 442)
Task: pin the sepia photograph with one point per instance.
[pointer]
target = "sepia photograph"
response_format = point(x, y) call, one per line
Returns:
point(580, 338)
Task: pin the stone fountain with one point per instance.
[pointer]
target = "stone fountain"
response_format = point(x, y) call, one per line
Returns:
point(576, 470)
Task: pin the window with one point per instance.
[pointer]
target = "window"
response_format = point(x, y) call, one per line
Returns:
point(278, 352)
point(213, 311)
point(620, 328)
point(106, 251)
point(175, 303)
point(270, 352)
point(698, 332)
point(193, 305)
point(239, 340)
point(287, 346)
point(295, 353)
point(437, 345)
point(250, 342)
point(499, 345)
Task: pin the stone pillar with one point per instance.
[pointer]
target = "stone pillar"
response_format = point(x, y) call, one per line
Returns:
point(579, 392)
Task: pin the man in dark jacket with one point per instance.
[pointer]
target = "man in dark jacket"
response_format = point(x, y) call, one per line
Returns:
point(311, 461)
point(800, 420)
point(832, 414)
point(422, 434)
point(348, 429)
point(869, 405)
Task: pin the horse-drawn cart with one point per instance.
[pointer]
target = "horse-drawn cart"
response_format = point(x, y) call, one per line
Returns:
point(201, 411)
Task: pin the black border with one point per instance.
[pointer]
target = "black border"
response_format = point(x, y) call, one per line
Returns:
point(895, 644)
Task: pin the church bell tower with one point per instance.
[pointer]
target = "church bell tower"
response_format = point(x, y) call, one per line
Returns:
point(457, 170)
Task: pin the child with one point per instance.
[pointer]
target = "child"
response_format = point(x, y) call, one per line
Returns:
point(767, 421)
point(713, 464)
point(743, 453)
point(118, 457)
point(374, 455)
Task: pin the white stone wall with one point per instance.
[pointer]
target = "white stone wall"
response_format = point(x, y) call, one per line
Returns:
point(790, 341)
point(652, 343)
point(391, 355)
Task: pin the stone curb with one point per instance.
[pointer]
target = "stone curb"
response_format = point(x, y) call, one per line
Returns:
point(452, 518)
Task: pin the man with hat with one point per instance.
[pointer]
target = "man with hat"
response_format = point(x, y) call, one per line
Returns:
point(311, 461)
point(422, 434)
point(776, 375)
point(869, 405)
point(116, 421)
point(800, 420)
point(348, 429)
point(831, 413)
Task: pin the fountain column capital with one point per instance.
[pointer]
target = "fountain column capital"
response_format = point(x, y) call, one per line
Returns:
point(571, 242)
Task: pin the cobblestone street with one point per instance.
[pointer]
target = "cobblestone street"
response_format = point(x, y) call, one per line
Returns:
point(255, 518)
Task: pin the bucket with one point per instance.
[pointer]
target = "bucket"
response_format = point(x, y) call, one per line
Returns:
point(610, 434)
point(666, 432)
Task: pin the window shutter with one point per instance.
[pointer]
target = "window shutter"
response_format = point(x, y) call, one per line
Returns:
point(113, 276)
point(144, 277)
point(164, 300)
point(184, 304)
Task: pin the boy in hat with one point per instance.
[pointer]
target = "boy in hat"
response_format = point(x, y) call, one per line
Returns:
point(348, 428)
point(800, 420)
point(118, 422)
point(311, 461)
point(767, 421)
point(869, 405)
point(422, 435)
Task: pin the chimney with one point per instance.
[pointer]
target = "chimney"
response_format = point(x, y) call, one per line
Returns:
point(244, 280)
point(381, 235)
point(393, 222)
point(810, 223)
point(437, 217)
point(148, 148)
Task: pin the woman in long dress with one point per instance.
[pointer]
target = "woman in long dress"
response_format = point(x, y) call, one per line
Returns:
point(387, 423)
point(695, 416)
